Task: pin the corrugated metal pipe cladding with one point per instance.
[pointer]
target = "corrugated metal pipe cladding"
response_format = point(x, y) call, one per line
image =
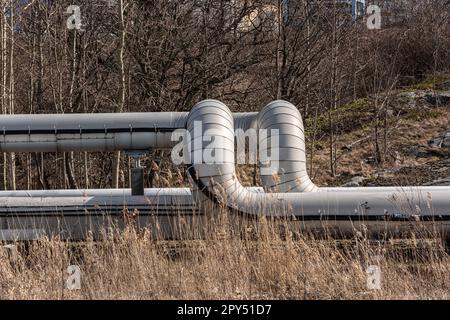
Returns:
point(291, 174)
point(288, 189)
point(217, 183)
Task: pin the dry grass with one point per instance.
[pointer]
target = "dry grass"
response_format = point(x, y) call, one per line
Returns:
point(252, 265)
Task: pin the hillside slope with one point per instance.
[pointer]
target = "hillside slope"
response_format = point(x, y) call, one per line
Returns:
point(418, 140)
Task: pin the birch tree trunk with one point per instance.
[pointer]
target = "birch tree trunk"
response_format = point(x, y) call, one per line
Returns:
point(68, 158)
point(3, 80)
point(333, 90)
point(11, 155)
point(121, 98)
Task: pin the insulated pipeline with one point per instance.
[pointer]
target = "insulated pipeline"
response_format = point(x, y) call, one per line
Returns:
point(97, 132)
point(216, 184)
point(287, 189)
point(105, 132)
point(290, 174)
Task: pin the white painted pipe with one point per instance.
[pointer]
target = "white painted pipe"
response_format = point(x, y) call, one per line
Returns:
point(96, 132)
point(105, 193)
point(291, 174)
point(213, 184)
point(144, 131)
point(88, 132)
point(217, 184)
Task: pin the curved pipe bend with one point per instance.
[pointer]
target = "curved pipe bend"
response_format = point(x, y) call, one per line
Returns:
point(143, 131)
point(217, 183)
point(290, 174)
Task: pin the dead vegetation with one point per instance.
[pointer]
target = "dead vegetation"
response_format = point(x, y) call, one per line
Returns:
point(257, 264)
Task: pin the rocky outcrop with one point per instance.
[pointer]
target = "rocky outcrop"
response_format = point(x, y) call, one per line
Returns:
point(438, 99)
point(354, 182)
point(442, 141)
point(439, 182)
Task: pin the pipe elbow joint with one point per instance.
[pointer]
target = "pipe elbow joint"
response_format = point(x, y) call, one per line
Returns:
point(284, 139)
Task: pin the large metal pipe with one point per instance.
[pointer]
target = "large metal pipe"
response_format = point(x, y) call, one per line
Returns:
point(140, 132)
point(186, 191)
point(79, 215)
point(290, 174)
point(96, 132)
point(214, 184)
point(217, 184)
point(82, 214)
point(88, 132)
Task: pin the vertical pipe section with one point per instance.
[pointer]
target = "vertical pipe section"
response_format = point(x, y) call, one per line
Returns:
point(283, 119)
point(211, 130)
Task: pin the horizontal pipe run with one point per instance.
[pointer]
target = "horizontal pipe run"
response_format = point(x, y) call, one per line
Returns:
point(76, 215)
point(153, 192)
point(97, 132)
point(353, 202)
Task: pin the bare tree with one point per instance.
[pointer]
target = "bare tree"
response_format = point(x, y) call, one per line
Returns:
point(122, 89)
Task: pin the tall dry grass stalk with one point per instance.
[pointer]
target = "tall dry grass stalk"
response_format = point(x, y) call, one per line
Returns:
point(251, 261)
